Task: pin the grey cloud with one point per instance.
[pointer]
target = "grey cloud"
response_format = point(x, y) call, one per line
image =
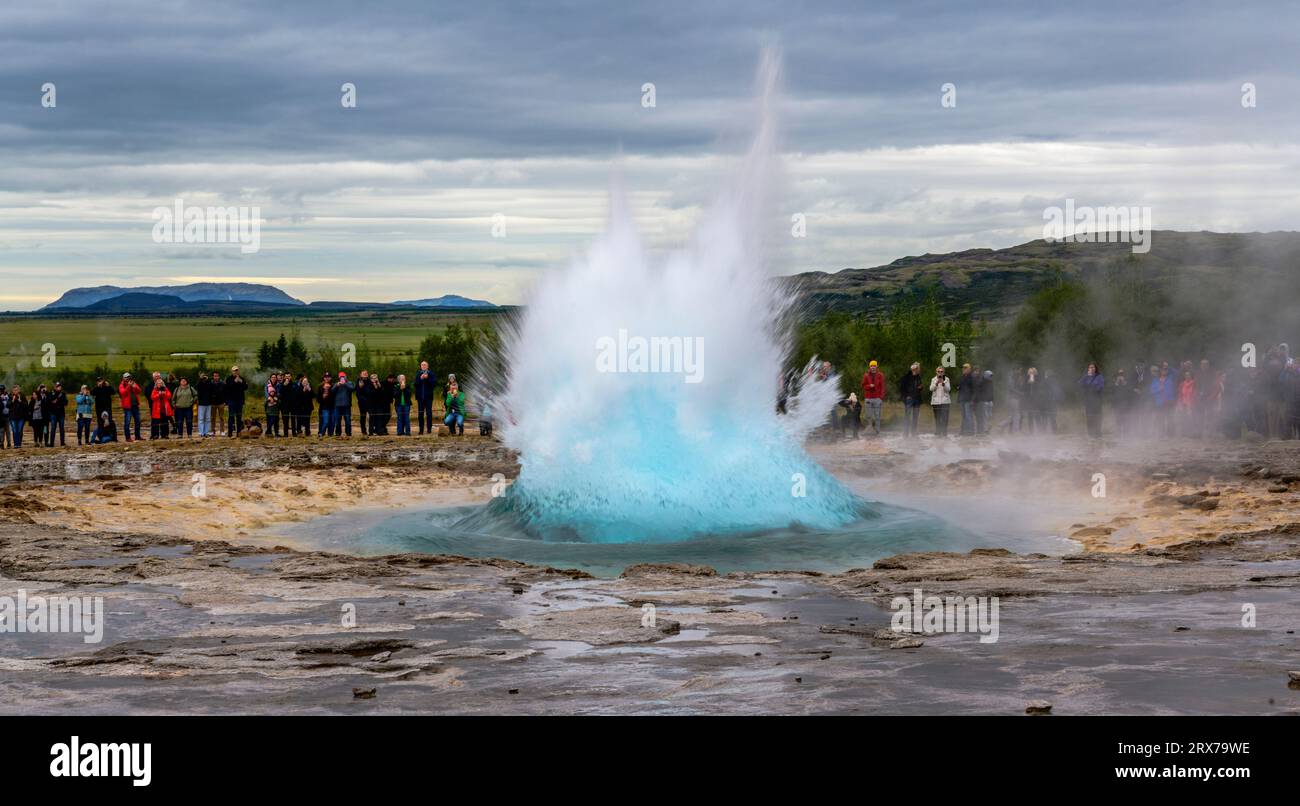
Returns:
point(500, 79)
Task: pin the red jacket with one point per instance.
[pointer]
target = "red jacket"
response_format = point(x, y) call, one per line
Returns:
point(129, 392)
point(873, 386)
point(162, 403)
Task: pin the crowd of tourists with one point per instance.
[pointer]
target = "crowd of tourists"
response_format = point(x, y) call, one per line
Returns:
point(1186, 399)
point(213, 405)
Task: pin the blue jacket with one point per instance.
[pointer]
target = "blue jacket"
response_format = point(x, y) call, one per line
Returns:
point(85, 405)
point(1093, 386)
point(1165, 393)
point(343, 394)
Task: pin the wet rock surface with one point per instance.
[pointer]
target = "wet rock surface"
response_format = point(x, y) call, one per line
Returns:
point(214, 626)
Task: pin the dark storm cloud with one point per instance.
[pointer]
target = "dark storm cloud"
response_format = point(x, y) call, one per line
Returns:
point(151, 82)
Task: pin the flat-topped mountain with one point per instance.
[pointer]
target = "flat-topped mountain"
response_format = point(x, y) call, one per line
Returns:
point(194, 292)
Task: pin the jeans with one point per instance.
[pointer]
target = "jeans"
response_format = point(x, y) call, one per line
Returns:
point(185, 422)
point(273, 425)
point(871, 408)
point(1015, 420)
point(235, 421)
point(56, 421)
point(968, 418)
point(38, 432)
point(83, 428)
point(425, 415)
point(16, 428)
point(940, 419)
point(342, 422)
point(983, 415)
point(205, 420)
point(325, 422)
point(911, 413)
point(454, 421)
point(403, 421)
point(128, 415)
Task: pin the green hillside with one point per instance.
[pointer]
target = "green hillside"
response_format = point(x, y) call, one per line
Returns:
point(993, 284)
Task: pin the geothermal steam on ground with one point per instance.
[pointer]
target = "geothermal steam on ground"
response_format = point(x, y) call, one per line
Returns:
point(615, 456)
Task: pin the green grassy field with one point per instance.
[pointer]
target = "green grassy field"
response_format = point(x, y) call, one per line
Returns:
point(82, 343)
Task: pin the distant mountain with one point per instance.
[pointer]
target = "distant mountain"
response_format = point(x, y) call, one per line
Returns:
point(447, 301)
point(134, 302)
point(993, 283)
point(196, 292)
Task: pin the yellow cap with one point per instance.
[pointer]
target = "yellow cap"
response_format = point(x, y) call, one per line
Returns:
point(873, 363)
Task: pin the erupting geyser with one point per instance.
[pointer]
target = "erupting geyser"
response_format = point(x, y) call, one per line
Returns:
point(640, 393)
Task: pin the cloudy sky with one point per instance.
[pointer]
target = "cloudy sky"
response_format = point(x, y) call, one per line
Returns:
point(466, 111)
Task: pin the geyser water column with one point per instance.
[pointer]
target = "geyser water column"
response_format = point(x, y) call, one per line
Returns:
point(640, 393)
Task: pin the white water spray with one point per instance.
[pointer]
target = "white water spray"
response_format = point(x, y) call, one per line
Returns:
point(640, 393)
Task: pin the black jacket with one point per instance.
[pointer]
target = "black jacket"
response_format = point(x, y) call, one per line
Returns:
point(381, 399)
point(58, 402)
point(103, 398)
point(966, 388)
point(909, 387)
point(1035, 395)
point(288, 393)
point(236, 391)
point(304, 397)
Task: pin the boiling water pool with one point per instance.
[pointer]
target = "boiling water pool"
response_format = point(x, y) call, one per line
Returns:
point(474, 531)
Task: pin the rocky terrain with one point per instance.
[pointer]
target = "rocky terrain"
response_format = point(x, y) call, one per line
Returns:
point(1148, 617)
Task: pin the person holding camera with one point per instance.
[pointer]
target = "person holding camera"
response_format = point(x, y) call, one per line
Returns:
point(940, 399)
point(160, 410)
point(325, 407)
point(106, 431)
point(236, 392)
point(424, 394)
point(343, 391)
point(130, 393)
point(1093, 384)
point(909, 389)
point(85, 415)
point(455, 407)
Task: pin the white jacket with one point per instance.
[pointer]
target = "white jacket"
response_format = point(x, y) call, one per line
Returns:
point(939, 391)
